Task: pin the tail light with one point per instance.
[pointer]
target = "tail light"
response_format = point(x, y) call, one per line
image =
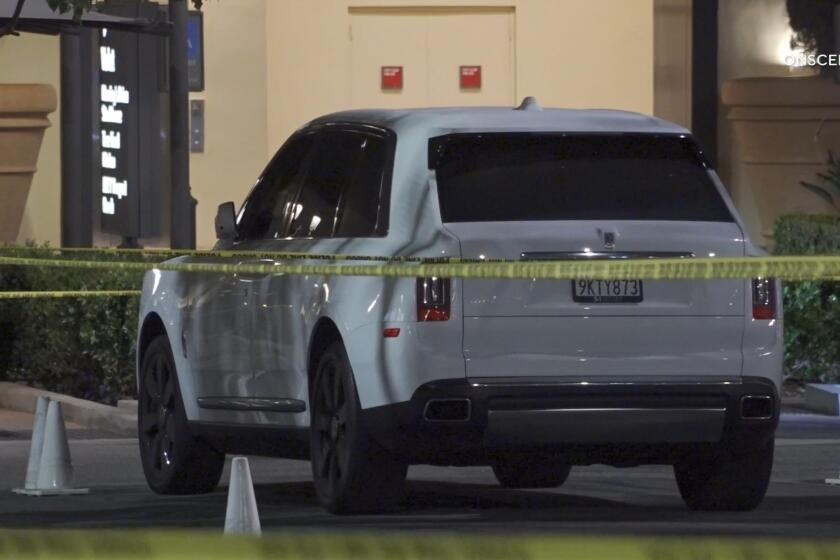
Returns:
point(433, 301)
point(763, 298)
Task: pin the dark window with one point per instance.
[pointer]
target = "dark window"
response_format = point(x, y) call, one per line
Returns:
point(333, 166)
point(360, 202)
point(523, 177)
point(270, 206)
point(342, 189)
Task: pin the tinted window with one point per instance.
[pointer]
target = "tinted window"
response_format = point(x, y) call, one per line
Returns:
point(522, 177)
point(269, 208)
point(337, 156)
point(361, 200)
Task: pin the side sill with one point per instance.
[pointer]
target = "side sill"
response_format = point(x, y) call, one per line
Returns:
point(252, 404)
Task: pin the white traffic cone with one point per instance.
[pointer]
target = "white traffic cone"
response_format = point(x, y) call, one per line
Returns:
point(55, 471)
point(36, 445)
point(242, 517)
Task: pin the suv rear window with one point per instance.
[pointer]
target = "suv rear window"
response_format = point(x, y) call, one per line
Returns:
point(530, 177)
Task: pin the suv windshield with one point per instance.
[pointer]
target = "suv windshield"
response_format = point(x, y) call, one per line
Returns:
point(526, 176)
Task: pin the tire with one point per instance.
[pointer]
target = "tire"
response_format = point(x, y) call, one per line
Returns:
point(174, 461)
point(525, 471)
point(725, 481)
point(350, 471)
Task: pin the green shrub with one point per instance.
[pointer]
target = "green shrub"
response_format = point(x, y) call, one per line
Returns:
point(812, 309)
point(80, 346)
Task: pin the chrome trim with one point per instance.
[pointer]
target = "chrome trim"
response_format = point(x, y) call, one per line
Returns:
point(430, 401)
point(533, 381)
point(252, 404)
point(628, 409)
point(595, 255)
point(741, 407)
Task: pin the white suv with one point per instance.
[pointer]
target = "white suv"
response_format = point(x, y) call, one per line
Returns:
point(366, 375)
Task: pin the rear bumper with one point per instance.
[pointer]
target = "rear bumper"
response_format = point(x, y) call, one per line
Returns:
point(624, 423)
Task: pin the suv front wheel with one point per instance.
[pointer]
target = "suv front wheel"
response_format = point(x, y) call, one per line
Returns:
point(725, 481)
point(174, 460)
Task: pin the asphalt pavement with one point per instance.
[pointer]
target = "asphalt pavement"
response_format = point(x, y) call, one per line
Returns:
point(595, 500)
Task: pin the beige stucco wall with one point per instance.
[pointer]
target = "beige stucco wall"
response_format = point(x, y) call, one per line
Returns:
point(35, 59)
point(271, 65)
point(235, 109)
point(672, 60)
point(571, 53)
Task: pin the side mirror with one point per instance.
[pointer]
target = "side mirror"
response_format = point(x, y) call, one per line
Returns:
point(226, 221)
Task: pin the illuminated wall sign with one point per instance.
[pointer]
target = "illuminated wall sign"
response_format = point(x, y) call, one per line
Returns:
point(115, 112)
point(114, 103)
point(470, 77)
point(392, 77)
point(126, 101)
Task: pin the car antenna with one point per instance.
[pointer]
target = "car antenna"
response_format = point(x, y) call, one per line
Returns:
point(529, 104)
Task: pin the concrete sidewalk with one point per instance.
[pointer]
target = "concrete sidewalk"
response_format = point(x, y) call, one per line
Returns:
point(17, 421)
point(18, 398)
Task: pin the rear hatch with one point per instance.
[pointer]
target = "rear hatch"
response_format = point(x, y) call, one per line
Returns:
point(550, 196)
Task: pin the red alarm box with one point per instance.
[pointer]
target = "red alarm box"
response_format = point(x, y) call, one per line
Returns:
point(470, 77)
point(392, 77)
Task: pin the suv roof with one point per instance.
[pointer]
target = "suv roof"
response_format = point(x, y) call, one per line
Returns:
point(528, 117)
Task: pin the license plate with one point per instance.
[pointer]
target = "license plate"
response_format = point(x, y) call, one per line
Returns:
point(607, 291)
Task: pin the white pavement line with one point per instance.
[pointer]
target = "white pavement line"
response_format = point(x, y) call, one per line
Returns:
point(796, 441)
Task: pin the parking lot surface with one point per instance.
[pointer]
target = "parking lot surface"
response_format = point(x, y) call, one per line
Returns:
point(597, 499)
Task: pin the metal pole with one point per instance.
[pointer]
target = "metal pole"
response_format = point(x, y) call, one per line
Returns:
point(76, 202)
point(182, 217)
point(704, 75)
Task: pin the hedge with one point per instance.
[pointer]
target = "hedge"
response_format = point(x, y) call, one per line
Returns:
point(812, 309)
point(83, 347)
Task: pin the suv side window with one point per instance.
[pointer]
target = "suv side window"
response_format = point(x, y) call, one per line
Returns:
point(336, 159)
point(270, 207)
point(359, 212)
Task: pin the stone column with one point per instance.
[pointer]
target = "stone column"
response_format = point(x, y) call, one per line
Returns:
point(23, 120)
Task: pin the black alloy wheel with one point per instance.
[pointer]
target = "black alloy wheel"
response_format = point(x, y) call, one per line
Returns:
point(330, 425)
point(350, 471)
point(725, 479)
point(174, 461)
point(158, 426)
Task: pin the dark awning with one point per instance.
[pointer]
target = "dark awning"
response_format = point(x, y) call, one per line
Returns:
point(38, 17)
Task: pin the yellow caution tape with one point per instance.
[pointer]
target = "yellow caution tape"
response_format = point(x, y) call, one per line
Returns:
point(69, 294)
point(169, 253)
point(783, 267)
point(182, 545)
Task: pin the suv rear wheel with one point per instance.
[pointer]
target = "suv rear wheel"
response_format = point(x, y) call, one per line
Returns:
point(351, 472)
point(174, 461)
point(725, 481)
point(531, 472)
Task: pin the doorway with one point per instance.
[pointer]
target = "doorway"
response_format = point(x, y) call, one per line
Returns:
point(433, 48)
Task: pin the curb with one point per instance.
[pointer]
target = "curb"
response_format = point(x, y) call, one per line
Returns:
point(97, 416)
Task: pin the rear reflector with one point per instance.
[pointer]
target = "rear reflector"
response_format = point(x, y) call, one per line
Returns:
point(391, 332)
point(764, 298)
point(433, 301)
